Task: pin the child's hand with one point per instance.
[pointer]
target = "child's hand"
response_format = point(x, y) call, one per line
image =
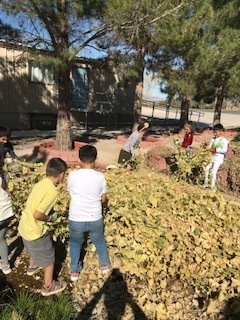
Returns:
point(53, 217)
point(213, 150)
point(206, 145)
point(176, 140)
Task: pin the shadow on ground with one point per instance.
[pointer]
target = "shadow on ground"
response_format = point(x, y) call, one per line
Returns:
point(116, 298)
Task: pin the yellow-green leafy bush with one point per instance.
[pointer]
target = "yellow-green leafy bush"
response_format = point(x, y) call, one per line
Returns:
point(175, 243)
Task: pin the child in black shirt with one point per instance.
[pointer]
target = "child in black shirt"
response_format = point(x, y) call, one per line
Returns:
point(6, 147)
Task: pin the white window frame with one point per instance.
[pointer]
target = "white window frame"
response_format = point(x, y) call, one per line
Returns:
point(41, 73)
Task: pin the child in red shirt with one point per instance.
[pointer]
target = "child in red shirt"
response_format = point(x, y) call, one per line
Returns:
point(188, 138)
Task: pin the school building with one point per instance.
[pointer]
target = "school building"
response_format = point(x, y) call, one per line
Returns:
point(29, 92)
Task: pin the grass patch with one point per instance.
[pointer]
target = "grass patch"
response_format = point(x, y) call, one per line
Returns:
point(29, 306)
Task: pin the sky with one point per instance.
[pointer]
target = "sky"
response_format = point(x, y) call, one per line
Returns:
point(151, 88)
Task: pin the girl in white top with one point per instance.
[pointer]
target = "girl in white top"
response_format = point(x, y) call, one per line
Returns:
point(6, 214)
point(218, 147)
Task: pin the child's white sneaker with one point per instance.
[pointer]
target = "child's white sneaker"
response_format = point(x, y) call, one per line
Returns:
point(74, 276)
point(5, 268)
point(105, 269)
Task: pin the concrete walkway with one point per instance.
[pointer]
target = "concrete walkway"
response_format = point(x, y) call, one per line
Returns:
point(106, 141)
point(229, 118)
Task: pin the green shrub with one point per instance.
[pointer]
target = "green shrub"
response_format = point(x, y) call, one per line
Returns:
point(185, 164)
point(163, 235)
point(190, 164)
point(29, 306)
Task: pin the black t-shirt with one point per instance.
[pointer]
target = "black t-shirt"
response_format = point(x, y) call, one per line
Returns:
point(7, 148)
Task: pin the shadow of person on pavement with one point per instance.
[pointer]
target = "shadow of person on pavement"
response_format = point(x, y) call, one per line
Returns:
point(116, 299)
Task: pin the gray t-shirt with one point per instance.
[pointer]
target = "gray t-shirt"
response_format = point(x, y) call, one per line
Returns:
point(132, 142)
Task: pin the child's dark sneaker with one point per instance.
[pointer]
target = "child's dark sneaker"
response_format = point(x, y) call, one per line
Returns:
point(32, 270)
point(56, 287)
point(74, 276)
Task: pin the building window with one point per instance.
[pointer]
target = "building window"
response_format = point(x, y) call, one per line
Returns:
point(41, 73)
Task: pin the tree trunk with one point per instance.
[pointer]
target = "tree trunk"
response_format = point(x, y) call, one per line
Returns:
point(218, 107)
point(137, 108)
point(63, 134)
point(137, 111)
point(184, 111)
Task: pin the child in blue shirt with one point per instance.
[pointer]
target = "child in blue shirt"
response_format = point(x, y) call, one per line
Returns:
point(6, 147)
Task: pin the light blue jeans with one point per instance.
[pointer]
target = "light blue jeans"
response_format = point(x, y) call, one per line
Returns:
point(3, 243)
point(77, 231)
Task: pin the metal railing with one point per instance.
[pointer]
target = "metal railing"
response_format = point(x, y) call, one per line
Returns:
point(161, 105)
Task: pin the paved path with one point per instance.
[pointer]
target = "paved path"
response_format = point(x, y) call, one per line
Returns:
point(106, 142)
point(229, 118)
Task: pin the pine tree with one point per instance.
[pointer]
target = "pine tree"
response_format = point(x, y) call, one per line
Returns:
point(135, 35)
point(177, 60)
point(62, 28)
point(220, 63)
point(8, 33)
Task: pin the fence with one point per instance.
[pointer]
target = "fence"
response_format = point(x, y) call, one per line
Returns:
point(161, 105)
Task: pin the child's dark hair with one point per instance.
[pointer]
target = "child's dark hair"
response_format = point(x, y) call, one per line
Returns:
point(55, 166)
point(5, 132)
point(2, 175)
point(88, 154)
point(143, 126)
point(218, 126)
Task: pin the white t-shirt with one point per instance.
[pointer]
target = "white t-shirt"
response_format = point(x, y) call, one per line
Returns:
point(221, 144)
point(6, 210)
point(86, 187)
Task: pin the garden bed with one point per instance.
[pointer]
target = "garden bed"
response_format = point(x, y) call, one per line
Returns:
point(47, 150)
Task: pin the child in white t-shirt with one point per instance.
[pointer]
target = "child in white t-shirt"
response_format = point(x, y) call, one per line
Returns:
point(6, 215)
point(88, 190)
point(218, 147)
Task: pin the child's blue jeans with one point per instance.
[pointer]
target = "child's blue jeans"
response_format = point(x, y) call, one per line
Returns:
point(77, 231)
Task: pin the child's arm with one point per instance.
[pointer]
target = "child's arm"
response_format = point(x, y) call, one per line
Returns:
point(104, 191)
point(11, 151)
point(104, 197)
point(224, 147)
point(221, 148)
point(40, 216)
point(43, 212)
